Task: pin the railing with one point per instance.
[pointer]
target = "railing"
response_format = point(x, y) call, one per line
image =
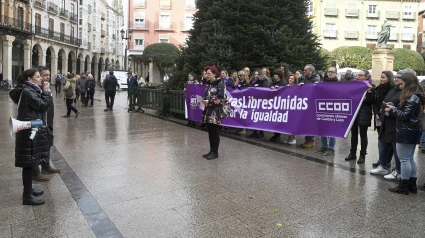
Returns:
point(407, 37)
point(393, 15)
point(373, 15)
point(393, 37)
point(133, 46)
point(351, 12)
point(73, 17)
point(139, 25)
point(330, 34)
point(410, 16)
point(63, 13)
point(333, 12)
point(150, 98)
point(164, 26)
point(371, 36)
point(46, 33)
point(351, 34)
point(40, 4)
point(15, 24)
point(53, 8)
point(177, 101)
point(89, 27)
point(186, 26)
point(89, 46)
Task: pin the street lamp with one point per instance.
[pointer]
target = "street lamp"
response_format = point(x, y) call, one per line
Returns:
point(126, 37)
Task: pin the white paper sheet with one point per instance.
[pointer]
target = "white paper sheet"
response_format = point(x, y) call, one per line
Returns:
point(201, 104)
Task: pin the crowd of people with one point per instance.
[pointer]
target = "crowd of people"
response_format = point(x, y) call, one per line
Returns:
point(393, 107)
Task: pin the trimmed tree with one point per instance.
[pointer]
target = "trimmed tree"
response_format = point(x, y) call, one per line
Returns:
point(406, 58)
point(232, 34)
point(163, 55)
point(353, 57)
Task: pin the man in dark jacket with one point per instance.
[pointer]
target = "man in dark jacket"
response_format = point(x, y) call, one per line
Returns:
point(90, 87)
point(310, 76)
point(45, 165)
point(110, 86)
point(81, 86)
point(132, 90)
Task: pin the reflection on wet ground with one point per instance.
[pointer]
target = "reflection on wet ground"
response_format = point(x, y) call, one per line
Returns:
point(134, 175)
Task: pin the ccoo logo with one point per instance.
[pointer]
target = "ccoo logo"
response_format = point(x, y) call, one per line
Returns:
point(193, 102)
point(334, 106)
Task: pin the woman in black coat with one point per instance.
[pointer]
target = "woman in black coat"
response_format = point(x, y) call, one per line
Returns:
point(32, 99)
point(278, 81)
point(362, 121)
point(258, 80)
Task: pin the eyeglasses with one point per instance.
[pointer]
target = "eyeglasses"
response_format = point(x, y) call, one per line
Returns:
point(331, 72)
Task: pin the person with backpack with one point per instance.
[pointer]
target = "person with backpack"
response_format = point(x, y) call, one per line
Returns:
point(58, 83)
point(69, 90)
point(90, 86)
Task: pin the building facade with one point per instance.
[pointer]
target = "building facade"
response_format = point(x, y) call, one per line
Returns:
point(15, 38)
point(157, 21)
point(358, 22)
point(421, 28)
point(101, 44)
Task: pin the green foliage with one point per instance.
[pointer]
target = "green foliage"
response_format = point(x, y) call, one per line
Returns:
point(352, 57)
point(163, 55)
point(232, 34)
point(405, 58)
point(327, 58)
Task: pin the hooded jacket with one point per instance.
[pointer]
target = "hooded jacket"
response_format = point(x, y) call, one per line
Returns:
point(81, 85)
point(314, 78)
point(73, 82)
point(33, 105)
point(110, 84)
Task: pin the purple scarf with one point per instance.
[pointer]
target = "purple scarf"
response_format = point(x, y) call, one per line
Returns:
point(35, 86)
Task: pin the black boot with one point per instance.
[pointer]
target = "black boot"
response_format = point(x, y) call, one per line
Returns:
point(412, 185)
point(37, 192)
point(212, 156)
point(274, 138)
point(206, 155)
point(362, 158)
point(29, 199)
point(254, 134)
point(260, 135)
point(402, 187)
point(351, 156)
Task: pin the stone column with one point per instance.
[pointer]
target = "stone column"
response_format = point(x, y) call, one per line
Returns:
point(81, 66)
point(382, 59)
point(96, 71)
point(7, 57)
point(27, 54)
point(64, 65)
point(88, 66)
point(74, 66)
point(151, 73)
point(41, 58)
point(54, 66)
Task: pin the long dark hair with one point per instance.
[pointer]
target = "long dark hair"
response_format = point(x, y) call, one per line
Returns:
point(411, 87)
point(390, 77)
point(29, 73)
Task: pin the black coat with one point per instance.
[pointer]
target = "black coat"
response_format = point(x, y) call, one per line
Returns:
point(407, 126)
point(259, 83)
point(387, 130)
point(34, 105)
point(364, 117)
point(279, 83)
point(110, 84)
point(381, 92)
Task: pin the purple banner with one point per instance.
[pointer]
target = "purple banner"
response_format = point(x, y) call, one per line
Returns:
point(322, 109)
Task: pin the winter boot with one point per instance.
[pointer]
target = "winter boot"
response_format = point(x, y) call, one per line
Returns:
point(412, 185)
point(37, 192)
point(402, 187)
point(29, 199)
point(351, 156)
point(206, 155)
point(212, 156)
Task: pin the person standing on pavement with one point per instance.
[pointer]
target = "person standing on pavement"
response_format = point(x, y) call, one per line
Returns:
point(132, 90)
point(58, 83)
point(90, 86)
point(408, 129)
point(81, 86)
point(32, 98)
point(215, 94)
point(110, 85)
point(278, 81)
point(310, 76)
point(258, 80)
point(69, 90)
point(45, 165)
point(328, 143)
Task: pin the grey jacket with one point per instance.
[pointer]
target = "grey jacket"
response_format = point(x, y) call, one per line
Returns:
point(81, 85)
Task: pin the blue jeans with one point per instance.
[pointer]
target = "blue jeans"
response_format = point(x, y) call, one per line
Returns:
point(386, 152)
point(423, 140)
point(405, 153)
point(331, 144)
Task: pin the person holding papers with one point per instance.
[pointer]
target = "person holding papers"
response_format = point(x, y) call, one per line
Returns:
point(212, 103)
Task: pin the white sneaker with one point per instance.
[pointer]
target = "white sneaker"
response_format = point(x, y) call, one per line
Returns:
point(292, 142)
point(379, 170)
point(393, 175)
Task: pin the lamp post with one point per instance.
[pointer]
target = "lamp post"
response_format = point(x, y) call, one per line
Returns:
point(126, 37)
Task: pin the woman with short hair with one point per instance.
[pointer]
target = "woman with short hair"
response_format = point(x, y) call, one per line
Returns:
point(258, 80)
point(278, 81)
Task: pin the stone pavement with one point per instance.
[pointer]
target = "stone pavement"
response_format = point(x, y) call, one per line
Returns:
point(133, 175)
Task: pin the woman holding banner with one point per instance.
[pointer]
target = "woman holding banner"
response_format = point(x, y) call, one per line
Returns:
point(214, 96)
point(258, 81)
point(278, 81)
point(33, 100)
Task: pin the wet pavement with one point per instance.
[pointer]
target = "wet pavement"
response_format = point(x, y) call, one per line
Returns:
point(134, 175)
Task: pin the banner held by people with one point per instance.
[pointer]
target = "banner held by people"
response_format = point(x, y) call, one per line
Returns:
point(322, 109)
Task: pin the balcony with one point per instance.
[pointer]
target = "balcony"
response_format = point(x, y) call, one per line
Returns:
point(164, 26)
point(133, 46)
point(352, 12)
point(63, 13)
point(53, 8)
point(373, 15)
point(73, 17)
point(409, 15)
point(137, 25)
point(331, 12)
point(57, 36)
point(186, 26)
point(40, 4)
point(14, 24)
point(330, 34)
point(371, 36)
point(394, 15)
point(103, 16)
point(102, 33)
point(351, 34)
point(407, 37)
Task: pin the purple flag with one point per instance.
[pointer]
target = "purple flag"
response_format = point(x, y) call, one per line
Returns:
point(322, 109)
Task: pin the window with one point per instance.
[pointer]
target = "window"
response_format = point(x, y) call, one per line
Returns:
point(407, 34)
point(72, 33)
point(188, 22)
point(190, 5)
point(139, 3)
point(372, 10)
point(72, 9)
point(371, 32)
point(164, 22)
point(393, 33)
point(63, 4)
point(331, 9)
point(139, 20)
point(330, 30)
point(165, 4)
point(80, 21)
point(51, 24)
point(37, 20)
point(352, 10)
point(408, 12)
point(164, 38)
point(350, 30)
point(80, 32)
point(310, 8)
